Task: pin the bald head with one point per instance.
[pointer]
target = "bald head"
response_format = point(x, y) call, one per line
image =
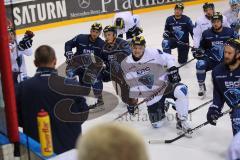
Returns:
point(111, 142)
point(45, 57)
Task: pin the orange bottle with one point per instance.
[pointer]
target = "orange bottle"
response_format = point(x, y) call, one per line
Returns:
point(45, 135)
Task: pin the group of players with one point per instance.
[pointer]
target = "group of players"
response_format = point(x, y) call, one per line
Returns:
point(141, 72)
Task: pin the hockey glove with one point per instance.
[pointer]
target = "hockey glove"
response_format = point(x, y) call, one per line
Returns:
point(69, 56)
point(198, 53)
point(167, 35)
point(212, 115)
point(173, 75)
point(135, 31)
point(26, 42)
point(132, 110)
point(105, 75)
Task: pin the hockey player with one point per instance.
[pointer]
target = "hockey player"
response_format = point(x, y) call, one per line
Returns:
point(87, 46)
point(234, 149)
point(114, 51)
point(17, 52)
point(127, 23)
point(232, 14)
point(204, 22)
point(146, 70)
point(212, 42)
point(226, 86)
point(177, 28)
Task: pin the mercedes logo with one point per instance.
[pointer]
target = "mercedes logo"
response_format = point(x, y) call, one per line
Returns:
point(84, 3)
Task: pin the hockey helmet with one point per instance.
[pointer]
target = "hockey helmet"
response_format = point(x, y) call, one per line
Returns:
point(179, 6)
point(234, 2)
point(217, 15)
point(119, 23)
point(208, 5)
point(96, 26)
point(233, 42)
point(138, 40)
point(110, 28)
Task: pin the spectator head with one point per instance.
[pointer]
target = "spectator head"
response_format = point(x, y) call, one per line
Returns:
point(111, 142)
point(45, 57)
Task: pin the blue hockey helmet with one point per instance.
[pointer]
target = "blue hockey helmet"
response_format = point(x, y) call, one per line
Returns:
point(234, 2)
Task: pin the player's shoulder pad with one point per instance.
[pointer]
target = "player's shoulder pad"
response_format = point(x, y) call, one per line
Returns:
point(219, 68)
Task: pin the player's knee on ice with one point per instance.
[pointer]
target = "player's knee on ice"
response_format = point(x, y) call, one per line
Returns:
point(156, 114)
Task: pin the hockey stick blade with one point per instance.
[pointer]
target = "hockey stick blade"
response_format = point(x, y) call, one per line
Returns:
point(182, 135)
point(145, 100)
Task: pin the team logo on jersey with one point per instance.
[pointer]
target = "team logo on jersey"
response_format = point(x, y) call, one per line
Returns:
point(143, 71)
point(233, 96)
point(217, 51)
point(84, 3)
point(178, 32)
point(147, 80)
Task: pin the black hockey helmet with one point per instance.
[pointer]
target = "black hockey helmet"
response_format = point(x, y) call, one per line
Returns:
point(110, 28)
point(138, 40)
point(119, 23)
point(96, 26)
point(217, 15)
point(208, 5)
point(234, 42)
point(179, 6)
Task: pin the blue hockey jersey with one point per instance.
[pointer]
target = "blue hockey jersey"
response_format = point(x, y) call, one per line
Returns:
point(179, 28)
point(84, 45)
point(213, 42)
point(226, 85)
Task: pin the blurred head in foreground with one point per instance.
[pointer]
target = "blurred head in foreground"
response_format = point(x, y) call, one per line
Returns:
point(111, 141)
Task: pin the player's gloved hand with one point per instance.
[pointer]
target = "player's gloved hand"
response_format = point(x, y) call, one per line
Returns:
point(69, 56)
point(173, 75)
point(198, 53)
point(26, 42)
point(132, 110)
point(167, 35)
point(137, 31)
point(105, 75)
point(212, 115)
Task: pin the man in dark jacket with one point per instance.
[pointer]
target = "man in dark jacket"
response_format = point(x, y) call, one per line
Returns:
point(39, 93)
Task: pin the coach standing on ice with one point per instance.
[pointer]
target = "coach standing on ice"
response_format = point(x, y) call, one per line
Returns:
point(35, 94)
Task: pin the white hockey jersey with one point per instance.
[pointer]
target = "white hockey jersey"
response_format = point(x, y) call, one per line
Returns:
point(14, 54)
point(148, 74)
point(202, 24)
point(129, 21)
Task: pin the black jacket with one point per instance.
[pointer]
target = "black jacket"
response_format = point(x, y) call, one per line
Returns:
point(35, 94)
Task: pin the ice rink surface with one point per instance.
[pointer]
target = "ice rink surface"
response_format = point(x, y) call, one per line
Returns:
point(208, 143)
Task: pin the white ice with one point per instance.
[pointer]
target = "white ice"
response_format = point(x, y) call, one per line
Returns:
point(208, 143)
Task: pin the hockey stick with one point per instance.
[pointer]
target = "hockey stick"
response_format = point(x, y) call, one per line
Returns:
point(202, 105)
point(182, 135)
point(185, 63)
point(145, 100)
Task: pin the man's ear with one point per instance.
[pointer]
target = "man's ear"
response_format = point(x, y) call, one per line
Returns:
point(35, 62)
point(55, 61)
